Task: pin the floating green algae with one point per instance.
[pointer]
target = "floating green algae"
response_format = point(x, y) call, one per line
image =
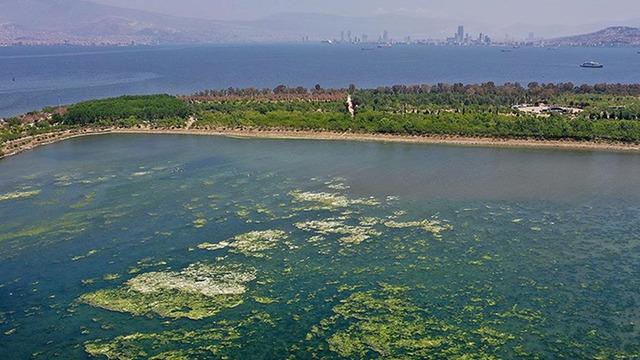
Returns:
point(329, 201)
point(19, 195)
point(197, 292)
point(111, 277)
point(174, 344)
point(86, 201)
point(434, 226)
point(264, 300)
point(71, 223)
point(80, 257)
point(352, 234)
point(199, 223)
point(210, 342)
point(384, 323)
point(253, 243)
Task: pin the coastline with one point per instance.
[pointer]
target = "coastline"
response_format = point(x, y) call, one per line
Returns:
point(18, 146)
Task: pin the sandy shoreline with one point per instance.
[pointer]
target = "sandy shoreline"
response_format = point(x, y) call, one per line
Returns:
point(17, 146)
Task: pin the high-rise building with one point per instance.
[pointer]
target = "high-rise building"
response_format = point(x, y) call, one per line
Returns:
point(460, 34)
point(349, 36)
point(342, 36)
point(385, 36)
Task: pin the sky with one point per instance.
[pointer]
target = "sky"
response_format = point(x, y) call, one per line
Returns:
point(552, 12)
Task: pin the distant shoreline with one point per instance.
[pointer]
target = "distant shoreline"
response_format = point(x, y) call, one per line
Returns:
point(15, 147)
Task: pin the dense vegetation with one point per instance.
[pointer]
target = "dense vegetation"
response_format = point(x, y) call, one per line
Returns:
point(610, 112)
point(147, 108)
point(443, 123)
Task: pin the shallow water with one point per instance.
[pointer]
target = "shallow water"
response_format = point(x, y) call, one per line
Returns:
point(375, 250)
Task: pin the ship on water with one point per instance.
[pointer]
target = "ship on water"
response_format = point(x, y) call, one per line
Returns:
point(592, 65)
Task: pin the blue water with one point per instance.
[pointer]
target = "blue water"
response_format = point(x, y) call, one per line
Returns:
point(60, 75)
point(540, 260)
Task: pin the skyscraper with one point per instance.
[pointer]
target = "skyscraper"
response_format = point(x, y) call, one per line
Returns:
point(460, 34)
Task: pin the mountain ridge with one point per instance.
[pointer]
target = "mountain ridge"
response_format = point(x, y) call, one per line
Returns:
point(610, 36)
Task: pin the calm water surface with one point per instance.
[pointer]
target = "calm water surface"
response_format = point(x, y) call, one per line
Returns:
point(61, 75)
point(363, 250)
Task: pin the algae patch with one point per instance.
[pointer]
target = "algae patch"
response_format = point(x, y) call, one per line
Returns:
point(329, 201)
point(196, 292)
point(199, 223)
point(175, 344)
point(19, 195)
point(253, 243)
point(80, 257)
point(434, 226)
point(384, 323)
point(351, 234)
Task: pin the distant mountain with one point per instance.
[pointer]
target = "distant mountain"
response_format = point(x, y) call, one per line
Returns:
point(611, 36)
point(83, 22)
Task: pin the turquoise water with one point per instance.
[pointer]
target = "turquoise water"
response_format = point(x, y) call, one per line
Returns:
point(258, 249)
point(61, 75)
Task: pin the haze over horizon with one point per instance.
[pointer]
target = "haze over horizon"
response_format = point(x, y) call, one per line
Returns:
point(541, 12)
point(223, 21)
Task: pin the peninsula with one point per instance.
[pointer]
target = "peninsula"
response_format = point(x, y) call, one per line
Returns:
point(602, 116)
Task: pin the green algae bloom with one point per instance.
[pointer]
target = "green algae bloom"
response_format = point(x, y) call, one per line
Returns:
point(214, 247)
point(253, 243)
point(329, 201)
point(385, 324)
point(80, 257)
point(199, 223)
point(86, 201)
point(197, 292)
point(264, 300)
point(111, 277)
point(351, 234)
point(434, 226)
point(174, 344)
point(19, 195)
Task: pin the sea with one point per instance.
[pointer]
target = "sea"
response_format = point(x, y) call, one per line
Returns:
point(35, 77)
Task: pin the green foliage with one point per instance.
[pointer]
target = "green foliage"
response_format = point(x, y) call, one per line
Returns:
point(148, 108)
point(470, 123)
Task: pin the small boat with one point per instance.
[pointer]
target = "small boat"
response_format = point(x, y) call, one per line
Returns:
point(591, 65)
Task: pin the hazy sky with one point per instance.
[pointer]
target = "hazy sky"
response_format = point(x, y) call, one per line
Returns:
point(505, 11)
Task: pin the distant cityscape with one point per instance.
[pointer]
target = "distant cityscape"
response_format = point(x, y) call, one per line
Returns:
point(459, 38)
